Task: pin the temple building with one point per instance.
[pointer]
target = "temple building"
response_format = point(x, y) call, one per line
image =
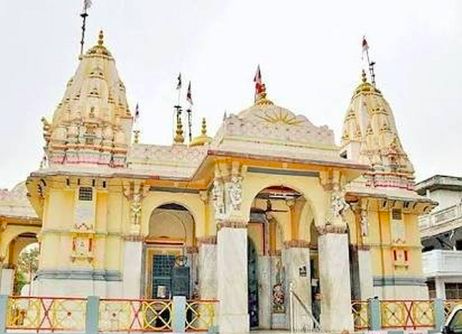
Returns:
point(268, 205)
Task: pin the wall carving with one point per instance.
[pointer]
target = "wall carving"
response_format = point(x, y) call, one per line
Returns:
point(135, 192)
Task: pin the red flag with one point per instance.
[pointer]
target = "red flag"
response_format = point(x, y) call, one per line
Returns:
point(258, 81)
point(189, 94)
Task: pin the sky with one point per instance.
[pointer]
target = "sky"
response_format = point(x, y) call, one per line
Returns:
point(309, 53)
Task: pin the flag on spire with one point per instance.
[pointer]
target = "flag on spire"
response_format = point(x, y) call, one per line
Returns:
point(137, 112)
point(258, 81)
point(189, 94)
point(178, 85)
point(365, 47)
point(87, 4)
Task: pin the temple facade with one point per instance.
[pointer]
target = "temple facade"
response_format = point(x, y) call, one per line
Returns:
point(269, 204)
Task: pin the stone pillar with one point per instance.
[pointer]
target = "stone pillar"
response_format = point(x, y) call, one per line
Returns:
point(440, 288)
point(264, 292)
point(296, 259)
point(334, 275)
point(132, 268)
point(207, 267)
point(366, 281)
point(7, 281)
point(232, 277)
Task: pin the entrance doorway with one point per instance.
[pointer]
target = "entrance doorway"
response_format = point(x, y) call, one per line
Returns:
point(171, 233)
point(252, 284)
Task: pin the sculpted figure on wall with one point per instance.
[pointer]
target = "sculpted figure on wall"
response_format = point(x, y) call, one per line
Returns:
point(135, 209)
point(135, 194)
point(338, 205)
point(235, 192)
point(218, 198)
point(364, 223)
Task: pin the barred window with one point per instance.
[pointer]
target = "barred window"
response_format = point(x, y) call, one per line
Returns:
point(85, 194)
point(396, 214)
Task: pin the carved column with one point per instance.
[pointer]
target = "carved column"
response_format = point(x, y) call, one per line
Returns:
point(207, 267)
point(134, 192)
point(296, 259)
point(232, 276)
point(334, 264)
point(334, 275)
point(363, 254)
point(232, 273)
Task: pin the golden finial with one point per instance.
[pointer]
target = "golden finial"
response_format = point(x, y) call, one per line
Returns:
point(101, 38)
point(363, 76)
point(204, 127)
point(261, 98)
point(202, 139)
point(136, 138)
point(179, 138)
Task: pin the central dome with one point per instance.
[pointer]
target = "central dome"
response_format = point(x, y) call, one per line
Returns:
point(271, 113)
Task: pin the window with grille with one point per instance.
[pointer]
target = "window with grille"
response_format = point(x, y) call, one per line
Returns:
point(162, 275)
point(453, 290)
point(85, 194)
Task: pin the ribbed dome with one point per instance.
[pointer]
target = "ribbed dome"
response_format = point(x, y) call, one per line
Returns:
point(93, 114)
point(370, 125)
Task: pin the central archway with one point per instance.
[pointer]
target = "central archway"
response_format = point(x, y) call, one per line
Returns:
point(279, 240)
point(168, 245)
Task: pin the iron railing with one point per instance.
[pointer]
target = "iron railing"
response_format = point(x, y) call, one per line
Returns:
point(64, 314)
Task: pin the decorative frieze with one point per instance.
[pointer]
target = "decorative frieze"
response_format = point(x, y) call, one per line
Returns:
point(207, 240)
point(134, 238)
point(232, 224)
point(296, 244)
point(330, 228)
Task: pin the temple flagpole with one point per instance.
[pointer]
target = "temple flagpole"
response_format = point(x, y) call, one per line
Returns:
point(189, 111)
point(86, 5)
point(370, 63)
point(177, 107)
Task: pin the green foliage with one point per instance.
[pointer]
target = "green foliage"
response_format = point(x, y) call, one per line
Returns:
point(28, 260)
point(19, 281)
point(27, 267)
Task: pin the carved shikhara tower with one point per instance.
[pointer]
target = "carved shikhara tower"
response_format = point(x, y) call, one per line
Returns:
point(92, 124)
point(270, 199)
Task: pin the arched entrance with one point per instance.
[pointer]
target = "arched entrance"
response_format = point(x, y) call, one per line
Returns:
point(168, 258)
point(279, 236)
point(21, 264)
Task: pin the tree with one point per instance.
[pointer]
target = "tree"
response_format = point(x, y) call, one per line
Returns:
point(27, 266)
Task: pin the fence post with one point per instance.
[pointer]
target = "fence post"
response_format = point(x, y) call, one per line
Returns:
point(92, 315)
point(3, 312)
point(179, 314)
point(375, 316)
point(438, 305)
